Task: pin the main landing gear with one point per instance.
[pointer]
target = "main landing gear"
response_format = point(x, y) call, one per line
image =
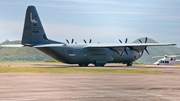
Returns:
point(99, 65)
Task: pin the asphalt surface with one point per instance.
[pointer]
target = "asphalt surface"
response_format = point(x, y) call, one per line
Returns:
point(91, 86)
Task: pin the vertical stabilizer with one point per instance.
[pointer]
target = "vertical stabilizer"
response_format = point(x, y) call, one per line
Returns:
point(33, 32)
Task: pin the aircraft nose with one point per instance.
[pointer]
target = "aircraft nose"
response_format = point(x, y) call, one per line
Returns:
point(156, 63)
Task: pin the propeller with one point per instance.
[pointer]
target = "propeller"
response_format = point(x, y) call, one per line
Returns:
point(86, 41)
point(72, 41)
point(90, 40)
point(145, 48)
point(120, 41)
point(126, 40)
point(124, 47)
point(125, 51)
point(67, 41)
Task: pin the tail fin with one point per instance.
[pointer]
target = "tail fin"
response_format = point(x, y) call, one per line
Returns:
point(33, 32)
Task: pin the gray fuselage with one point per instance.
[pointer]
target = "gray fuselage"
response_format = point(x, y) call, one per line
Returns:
point(77, 54)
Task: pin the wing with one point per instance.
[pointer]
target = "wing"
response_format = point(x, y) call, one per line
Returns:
point(139, 47)
point(127, 45)
point(39, 45)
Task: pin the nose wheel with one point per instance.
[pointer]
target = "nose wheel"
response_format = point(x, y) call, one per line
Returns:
point(83, 65)
point(129, 64)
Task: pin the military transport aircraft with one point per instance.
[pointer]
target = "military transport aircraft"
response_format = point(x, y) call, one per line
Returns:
point(82, 54)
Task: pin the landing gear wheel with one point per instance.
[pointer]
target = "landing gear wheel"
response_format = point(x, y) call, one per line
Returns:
point(96, 65)
point(86, 65)
point(102, 65)
point(80, 65)
point(83, 65)
point(129, 64)
point(99, 65)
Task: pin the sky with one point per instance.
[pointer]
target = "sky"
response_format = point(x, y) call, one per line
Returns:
point(99, 20)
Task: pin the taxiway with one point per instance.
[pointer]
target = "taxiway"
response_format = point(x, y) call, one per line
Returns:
point(91, 86)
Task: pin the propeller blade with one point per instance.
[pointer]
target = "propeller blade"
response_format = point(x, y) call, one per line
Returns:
point(72, 41)
point(145, 48)
point(126, 40)
point(90, 40)
point(67, 41)
point(146, 40)
point(140, 41)
point(121, 53)
point(146, 51)
point(84, 41)
point(142, 53)
point(125, 51)
point(120, 41)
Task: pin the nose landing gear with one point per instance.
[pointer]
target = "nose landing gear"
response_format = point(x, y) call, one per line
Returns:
point(129, 64)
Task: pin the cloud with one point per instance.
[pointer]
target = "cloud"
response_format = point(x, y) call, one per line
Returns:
point(168, 17)
point(60, 32)
point(115, 12)
point(98, 34)
point(91, 1)
point(63, 7)
point(12, 30)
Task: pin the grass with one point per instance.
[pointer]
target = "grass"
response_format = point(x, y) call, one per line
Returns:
point(73, 70)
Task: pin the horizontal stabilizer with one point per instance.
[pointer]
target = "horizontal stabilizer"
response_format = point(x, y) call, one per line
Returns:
point(40, 45)
point(48, 45)
point(16, 45)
